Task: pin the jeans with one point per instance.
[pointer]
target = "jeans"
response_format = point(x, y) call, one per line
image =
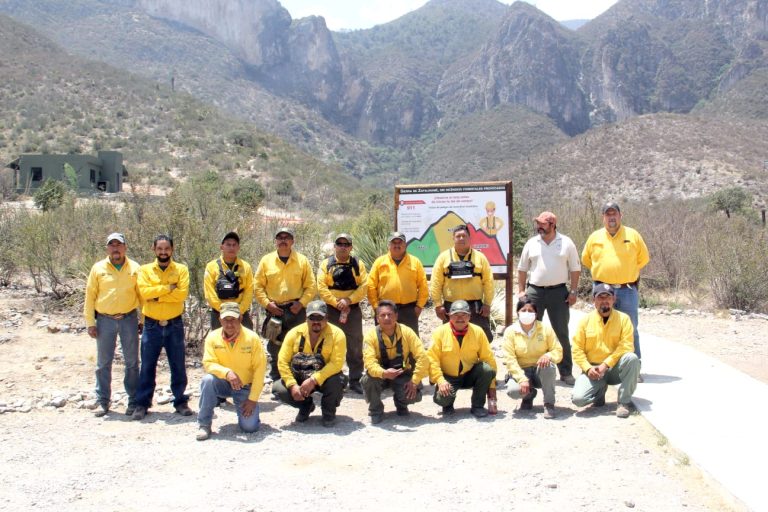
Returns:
point(332, 391)
point(353, 330)
point(543, 378)
point(108, 329)
point(554, 302)
point(373, 387)
point(627, 301)
point(586, 390)
point(154, 338)
point(478, 379)
point(211, 389)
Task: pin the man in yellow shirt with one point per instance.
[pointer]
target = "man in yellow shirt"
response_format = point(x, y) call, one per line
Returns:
point(399, 277)
point(602, 348)
point(283, 285)
point(163, 285)
point(234, 363)
point(310, 360)
point(615, 255)
point(229, 278)
point(461, 358)
point(112, 307)
point(394, 357)
point(342, 283)
point(463, 273)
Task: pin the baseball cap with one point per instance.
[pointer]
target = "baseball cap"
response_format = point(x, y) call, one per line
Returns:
point(285, 230)
point(346, 236)
point(396, 235)
point(460, 306)
point(229, 310)
point(317, 307)
point(546, 217)
point(602, 288)
point(231, 235)
point(116, 236)
point(607, 206)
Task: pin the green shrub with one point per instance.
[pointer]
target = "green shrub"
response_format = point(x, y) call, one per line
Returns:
point(50, 195)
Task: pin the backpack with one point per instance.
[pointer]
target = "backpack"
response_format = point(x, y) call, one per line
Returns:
point(227, 284)
point(343, 274)
point(304, 365)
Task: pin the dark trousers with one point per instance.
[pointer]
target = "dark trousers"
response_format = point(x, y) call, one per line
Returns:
point(373, 387)
point(553, 301)
point(154, 339)
point(245, 321)
point(476, 318)
point(273, 348)
point(406, 314)
point(332, 391)
point(353, 330)
point(478, 379)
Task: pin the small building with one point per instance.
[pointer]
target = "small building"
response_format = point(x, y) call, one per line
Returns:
point(103, 173)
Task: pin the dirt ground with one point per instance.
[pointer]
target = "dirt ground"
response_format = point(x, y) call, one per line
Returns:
point(63, 458)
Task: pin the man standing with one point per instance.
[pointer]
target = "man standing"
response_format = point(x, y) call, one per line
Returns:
point(461, 358)
point(163, 285)
point(463, 273)
point(284, 284)
point(234, 363)
point(614, 255)
point(394, 357)
point(229, 278)
point(602, 347)
point(111, 307)
point(311, 360)
point(399, 277)
point(342, 284)
point(549, 261)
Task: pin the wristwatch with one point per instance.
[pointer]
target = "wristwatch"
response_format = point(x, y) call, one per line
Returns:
point(572, 292)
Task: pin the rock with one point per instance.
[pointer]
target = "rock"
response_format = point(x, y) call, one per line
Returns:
point(38, 367)
point(53, 329)
point(58, 401)
point(737, 311)
point(676, 312)
point(24, 409)
point(41, 324)
point(4, 339)
point(629, 504)
point(90, 404)
point(164, 400)
point(552, 486)
point(65, 328)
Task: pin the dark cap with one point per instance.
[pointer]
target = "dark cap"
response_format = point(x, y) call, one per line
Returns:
point(317, 307)
point(396, 235)
point(602, 288)
point(231, 236)
point(607, 206)
point(460, 306)
point(286, 230)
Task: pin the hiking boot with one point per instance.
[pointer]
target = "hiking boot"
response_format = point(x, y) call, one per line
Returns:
point(101, 410)
point(403, 411)
point(599, 401)
point(139, 413)
point(448, 410)
point(527, 403)
point(203, 433)
point(355, 386)
point(479, 412)
point(130, 409)
point(568, 380)
point(640, 379)
point(377, 418)
point(329, 421)
point(183, 409)
point(549, 411)
point(622, 411)
point(304, 413)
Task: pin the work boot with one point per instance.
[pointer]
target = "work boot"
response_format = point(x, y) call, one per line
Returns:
point(568, 380)
point(549, 411)
point(403, 411)
point(599, 400)
point(101, 410)
point(329, 420)
point(183, 409)
point(527, 403)
point(203, 433)
point(479, 412)
point(377, 418)
point(130, 409)
point(355, 386)
point(304, 413)
point(622, 411)
point(448, 410)
point(139, 413)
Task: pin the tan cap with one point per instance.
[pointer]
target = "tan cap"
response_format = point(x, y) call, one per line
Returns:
point(229, 310)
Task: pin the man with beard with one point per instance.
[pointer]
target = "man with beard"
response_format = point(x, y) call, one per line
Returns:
point(615, 255)
point(602, 347)
point(549, 261)
point(310, 360)
point(163, 285)
point(284, 284)
point(112, 306)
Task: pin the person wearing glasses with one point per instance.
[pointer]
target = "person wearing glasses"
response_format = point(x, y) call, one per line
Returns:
point(342, 283)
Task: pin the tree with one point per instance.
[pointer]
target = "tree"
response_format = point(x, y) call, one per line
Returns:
point(731, 200)
point(50, 195)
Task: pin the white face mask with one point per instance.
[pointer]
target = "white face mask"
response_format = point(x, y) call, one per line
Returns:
point(526, 317)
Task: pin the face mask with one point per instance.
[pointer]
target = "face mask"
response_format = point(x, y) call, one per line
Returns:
point(526, 317)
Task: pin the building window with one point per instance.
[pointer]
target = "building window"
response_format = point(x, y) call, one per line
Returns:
point(37, 173)
point(93, 176)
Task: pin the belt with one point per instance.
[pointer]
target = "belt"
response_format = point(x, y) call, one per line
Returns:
point(288, 303)
point(118, 316)
point(623, 285)
point(162, 323)
point(547, 287)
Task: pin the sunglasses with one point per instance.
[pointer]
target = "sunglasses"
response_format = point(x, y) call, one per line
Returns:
point(343, 244)
point(316, 318)
point(282, 238)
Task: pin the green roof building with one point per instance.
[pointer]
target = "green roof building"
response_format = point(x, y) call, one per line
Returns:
point(101, 173)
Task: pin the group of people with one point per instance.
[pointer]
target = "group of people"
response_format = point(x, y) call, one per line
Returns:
point(309, 340)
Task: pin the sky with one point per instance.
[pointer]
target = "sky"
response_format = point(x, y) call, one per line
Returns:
point(353, 14)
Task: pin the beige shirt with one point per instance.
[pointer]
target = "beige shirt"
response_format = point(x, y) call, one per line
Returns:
point(549, 264)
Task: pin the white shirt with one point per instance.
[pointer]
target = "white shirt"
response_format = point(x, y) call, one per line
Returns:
point(549, 264)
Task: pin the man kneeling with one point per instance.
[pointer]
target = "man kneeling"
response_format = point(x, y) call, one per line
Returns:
point(461, 358)
point(234, 363)
point(310, 360)
point(394, 357)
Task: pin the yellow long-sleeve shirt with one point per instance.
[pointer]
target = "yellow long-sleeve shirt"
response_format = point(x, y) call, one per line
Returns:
point(402, 284)
point(598, 342)
point(111, 291)
point(524, 352)
point(244, 276)
point(160, 303)
point(411, 346)
point(281, 282)
point(443, 288)
point(445, 354)
point(246, 358)
point(329, 296)
point(615, 259)
point(334, 352)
